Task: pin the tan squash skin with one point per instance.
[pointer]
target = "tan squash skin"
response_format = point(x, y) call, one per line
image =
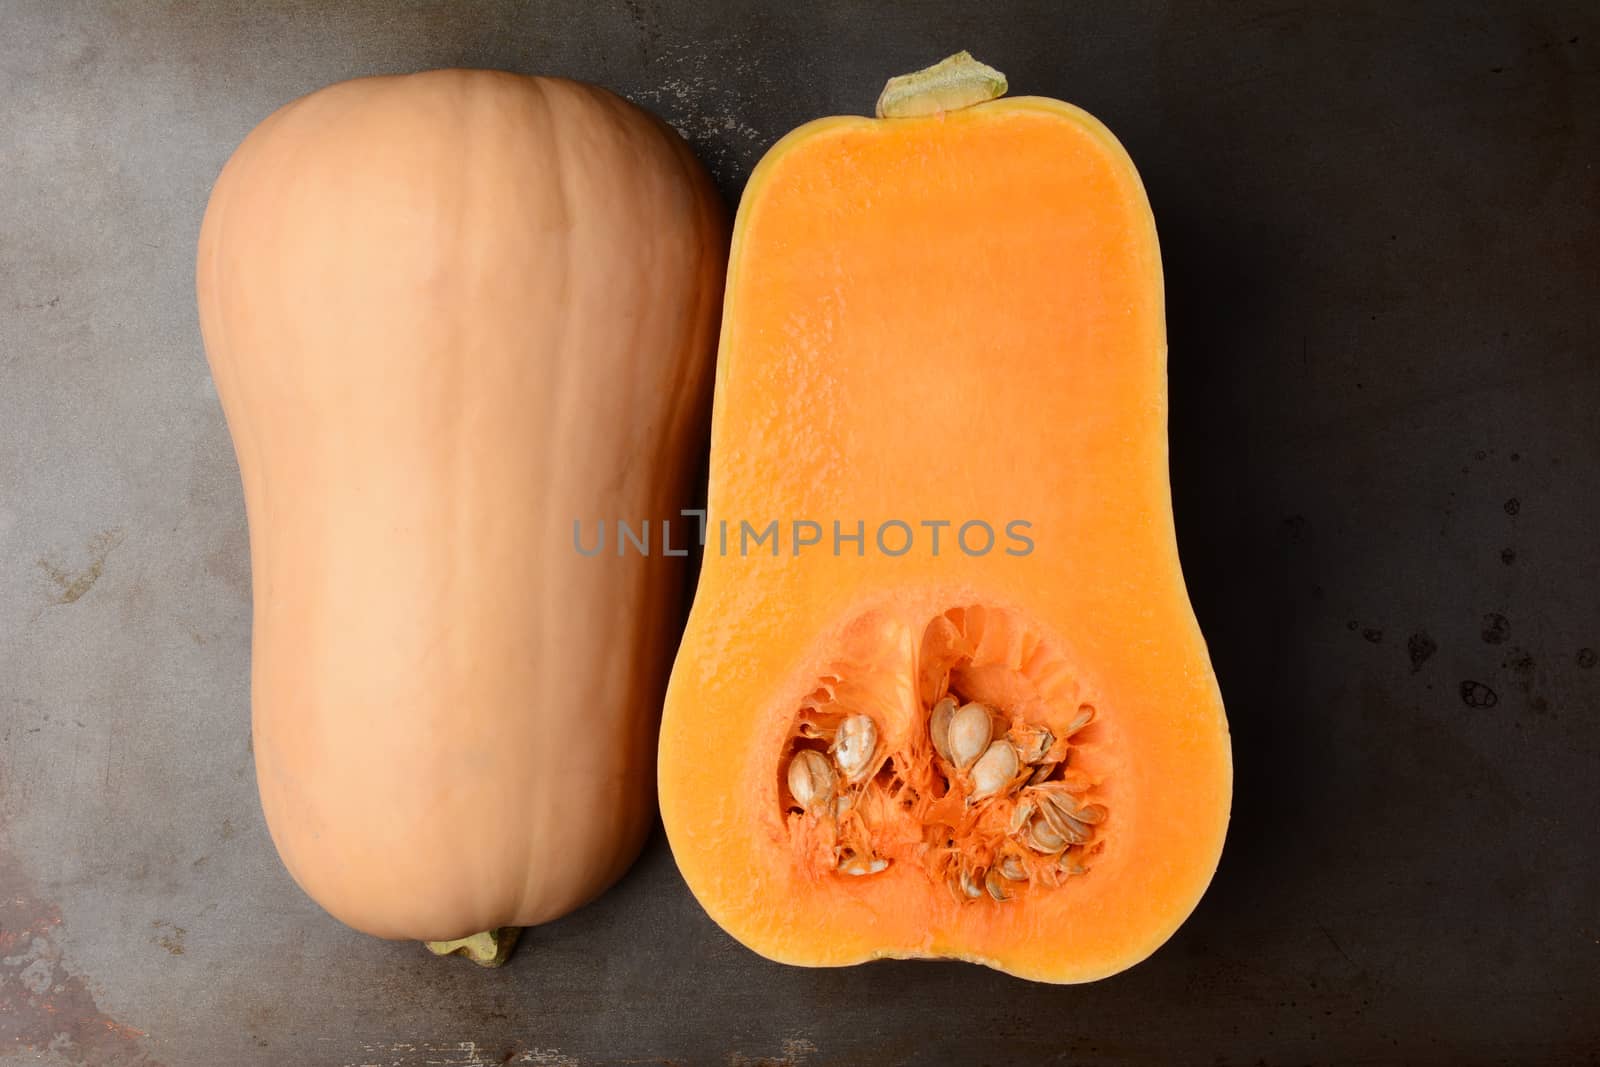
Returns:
point(448, 314)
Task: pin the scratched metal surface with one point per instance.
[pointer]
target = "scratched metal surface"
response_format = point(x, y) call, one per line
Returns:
point(1383, 251)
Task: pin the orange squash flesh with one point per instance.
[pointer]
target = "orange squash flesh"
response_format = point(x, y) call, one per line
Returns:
point(955, 317)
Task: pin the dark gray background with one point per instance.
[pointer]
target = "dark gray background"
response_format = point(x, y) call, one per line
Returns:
point(1382, 251)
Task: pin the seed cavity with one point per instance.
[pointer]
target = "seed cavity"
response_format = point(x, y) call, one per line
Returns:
point(986, 790)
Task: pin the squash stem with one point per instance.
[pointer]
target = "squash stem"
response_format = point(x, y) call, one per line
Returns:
point(951, 84)
point(491, 948)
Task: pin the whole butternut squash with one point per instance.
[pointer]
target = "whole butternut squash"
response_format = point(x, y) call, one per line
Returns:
point(942, 693)
point(448, 315)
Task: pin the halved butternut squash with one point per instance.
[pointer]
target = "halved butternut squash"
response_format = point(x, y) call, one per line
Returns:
point(942, 693)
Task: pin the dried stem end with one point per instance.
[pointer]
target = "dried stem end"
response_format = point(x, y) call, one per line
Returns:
point(491, 948)
point(951, 84)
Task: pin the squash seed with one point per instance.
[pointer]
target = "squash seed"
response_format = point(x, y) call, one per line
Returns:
point(968, 883)
point(863, 865)
point(854, 745)
point(1061, 796)
point(1011, 866)
point(1031, 742)
point(996, 886)
point(994, 770)
point(1074, 831)
point(971, 729)
point(1093, 814)
point(1034, 829)
point(1022, 814)
point(1056, 809)
point(1084, 717)
point(939, 726)
point(810, 779)
point(1054, 793)
point(1041, 837)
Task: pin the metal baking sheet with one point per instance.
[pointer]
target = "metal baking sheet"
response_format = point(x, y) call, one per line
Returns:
point(1381, 231)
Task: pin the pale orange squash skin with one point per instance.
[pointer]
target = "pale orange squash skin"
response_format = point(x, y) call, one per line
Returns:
point(448, 314)
point(951, 317)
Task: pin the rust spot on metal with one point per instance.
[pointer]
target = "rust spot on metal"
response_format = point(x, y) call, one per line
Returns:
point(44, 1006)
point(796, 1051)
point(72, 584)
point(169, 936)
